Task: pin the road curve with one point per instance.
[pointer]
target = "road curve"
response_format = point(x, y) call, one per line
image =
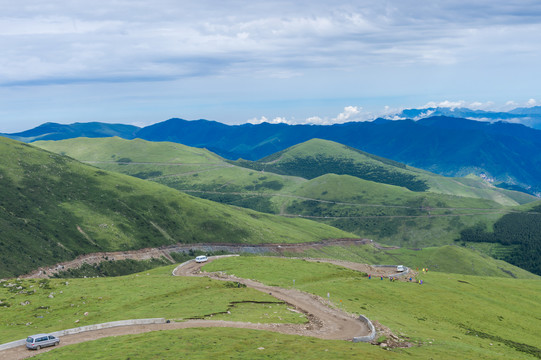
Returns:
point(324, 322)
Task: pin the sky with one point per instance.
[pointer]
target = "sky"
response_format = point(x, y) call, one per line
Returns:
point(141, 62)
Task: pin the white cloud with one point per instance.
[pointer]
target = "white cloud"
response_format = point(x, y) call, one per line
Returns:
point(445, 104)
point(425, 114)
point(257, 121)
point(475, 105)
point(316, 120)
point(511, 104)
point(280, 120)
point(264, 119)
point(349, 113)
point(123, 40)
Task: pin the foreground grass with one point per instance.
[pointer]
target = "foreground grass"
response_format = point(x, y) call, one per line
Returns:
point(451, 316)
point(152, 294)
point(448, 317)
point(217, 343)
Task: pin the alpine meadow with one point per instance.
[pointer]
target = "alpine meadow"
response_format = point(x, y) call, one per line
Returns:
point(270, 180)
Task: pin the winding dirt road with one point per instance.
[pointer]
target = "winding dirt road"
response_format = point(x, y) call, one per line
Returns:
point(324, 322)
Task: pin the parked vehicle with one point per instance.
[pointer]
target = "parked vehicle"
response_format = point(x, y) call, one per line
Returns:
point(201, 258)
point(400, 268)
point(39, 341)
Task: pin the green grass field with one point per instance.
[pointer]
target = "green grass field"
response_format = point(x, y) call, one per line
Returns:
point(449, 316)
point(150, 294)
point(436, 315)
point(217, 343)
point(448, 259)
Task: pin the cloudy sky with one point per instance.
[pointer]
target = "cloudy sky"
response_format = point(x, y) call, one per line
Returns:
point(141, 62)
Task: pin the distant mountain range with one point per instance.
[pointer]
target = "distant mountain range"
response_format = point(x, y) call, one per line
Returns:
point(530, 116)
point(507, 154)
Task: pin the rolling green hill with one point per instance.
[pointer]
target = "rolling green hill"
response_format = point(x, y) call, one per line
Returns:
point(156, 161)
point(318, 157)
point(53, 208)
point(519, 233)
point(387, 213)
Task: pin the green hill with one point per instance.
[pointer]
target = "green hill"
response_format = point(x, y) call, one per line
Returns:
point(387, 213)
point(53, 208)
point(390, 214)
point(157, 161)
point(519, 233)
point(318, 157)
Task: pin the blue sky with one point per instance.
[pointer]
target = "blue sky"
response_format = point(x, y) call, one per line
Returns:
point(141, 62)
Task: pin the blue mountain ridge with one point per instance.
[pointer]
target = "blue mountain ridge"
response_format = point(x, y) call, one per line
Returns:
point(506, 152)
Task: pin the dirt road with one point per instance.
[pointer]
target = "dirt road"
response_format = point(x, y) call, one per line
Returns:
point(325, 322)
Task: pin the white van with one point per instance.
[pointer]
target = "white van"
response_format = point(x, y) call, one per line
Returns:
point(201, 258)
point(41, 340)
point(400, 268)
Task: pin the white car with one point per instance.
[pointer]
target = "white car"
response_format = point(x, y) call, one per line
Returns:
point(36, 342)
point(201, 259)
point(400, 268)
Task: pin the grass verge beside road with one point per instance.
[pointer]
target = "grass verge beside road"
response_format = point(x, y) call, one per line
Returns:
point(217, 343)
point(439, 315)
point(59, 304)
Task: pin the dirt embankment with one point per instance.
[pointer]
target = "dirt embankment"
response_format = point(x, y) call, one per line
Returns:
point(165, 251)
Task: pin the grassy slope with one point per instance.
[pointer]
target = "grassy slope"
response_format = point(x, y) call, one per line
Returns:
point(434, 314)
point(386, 213)
point(203, 174)
point(449, 259)
point(328, 154)
point(151, 294)
point(53, 208)
point(391, 214)
point(176, 159)
point(473, 186)
point(217, 343)
point(115, 149)
point(438, 317)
